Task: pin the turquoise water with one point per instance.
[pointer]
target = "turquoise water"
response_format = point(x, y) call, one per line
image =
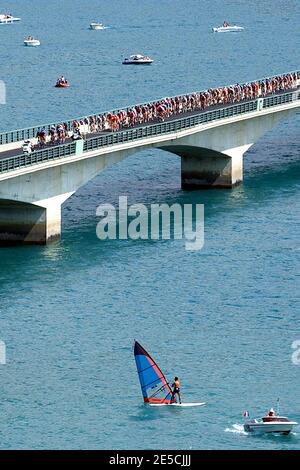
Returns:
point(223, 319)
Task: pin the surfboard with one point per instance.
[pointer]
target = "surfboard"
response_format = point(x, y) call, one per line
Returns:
point(182, 405)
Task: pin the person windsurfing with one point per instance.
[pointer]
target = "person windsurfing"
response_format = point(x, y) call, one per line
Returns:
point(176, 390)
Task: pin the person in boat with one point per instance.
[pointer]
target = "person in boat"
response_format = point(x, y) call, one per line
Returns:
point(225, 24)
point(61, 81)
point(271, 412)
point(176, 390)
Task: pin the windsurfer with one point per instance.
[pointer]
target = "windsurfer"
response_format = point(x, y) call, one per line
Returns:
point(176, 390)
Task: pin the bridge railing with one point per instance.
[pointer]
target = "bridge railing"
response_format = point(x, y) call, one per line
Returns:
point(156, 129)
point(24, 134)
point(186, 122)
point(40, 156)
point(279, 99)
point(31, 132)
point(150, 130)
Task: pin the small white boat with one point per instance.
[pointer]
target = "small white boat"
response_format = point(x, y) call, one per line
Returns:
point(7, 19)
point(271, 423)
point(31, 42)
point(137, 59)
point(97, 26)
point(279, 424)
point(228, 29)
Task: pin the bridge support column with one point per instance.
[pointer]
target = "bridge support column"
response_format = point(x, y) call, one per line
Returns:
point(214, 170)
point(29, 224)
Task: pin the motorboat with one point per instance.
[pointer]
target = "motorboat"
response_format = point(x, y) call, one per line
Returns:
point(97, 26)
point(137, 59)
point(276, 424)
point(271, 423)
point(62, 83)
point(228, 29)
point(7, 19)
point(31, 42)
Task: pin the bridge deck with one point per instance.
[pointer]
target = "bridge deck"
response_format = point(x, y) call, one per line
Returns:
point(18, 151)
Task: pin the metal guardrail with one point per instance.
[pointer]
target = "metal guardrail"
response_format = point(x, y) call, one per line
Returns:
point(24, 134)
point(51, 153)
point(156, 129)
point(280, 99)
point(151, 130)
point(30, 132)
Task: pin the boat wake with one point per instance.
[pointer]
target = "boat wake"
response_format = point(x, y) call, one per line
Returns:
point(236, 429)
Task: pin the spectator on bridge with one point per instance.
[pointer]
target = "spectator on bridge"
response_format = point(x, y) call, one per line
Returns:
point(197, 101)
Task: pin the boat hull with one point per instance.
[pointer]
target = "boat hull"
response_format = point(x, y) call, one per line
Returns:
point(228, 29)
point(275, 427)
point(137, 63)
point(62, 86)
point(96, 26)
point(9, 20)
point(32, 43)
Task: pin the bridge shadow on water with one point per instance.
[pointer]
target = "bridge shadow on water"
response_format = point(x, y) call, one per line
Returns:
point(262, 183)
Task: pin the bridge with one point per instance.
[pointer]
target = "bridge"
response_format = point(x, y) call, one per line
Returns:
point(211, 144)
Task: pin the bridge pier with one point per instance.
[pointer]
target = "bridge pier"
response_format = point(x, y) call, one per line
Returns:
point(214, 170)
point(28, 224)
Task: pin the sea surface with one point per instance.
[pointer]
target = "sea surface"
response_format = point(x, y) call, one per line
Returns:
point(223, 318)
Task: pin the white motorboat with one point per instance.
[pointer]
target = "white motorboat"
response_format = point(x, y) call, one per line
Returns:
point(228, 29)
point(137, 59)
point(97, 26)
point(7, 19)
point(271, 423)
point(31, 42)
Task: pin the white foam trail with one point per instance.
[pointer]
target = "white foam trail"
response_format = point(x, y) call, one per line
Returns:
point(236, 429)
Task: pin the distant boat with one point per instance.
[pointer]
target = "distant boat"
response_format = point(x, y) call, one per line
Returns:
point(155, 388)
point(62, 83)
point(31, 42)
point(228, 29)
point(137, 59)
point(97, 26)
point(7, 19)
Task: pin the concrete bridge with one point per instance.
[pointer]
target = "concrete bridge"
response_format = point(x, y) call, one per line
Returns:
point(211, 144)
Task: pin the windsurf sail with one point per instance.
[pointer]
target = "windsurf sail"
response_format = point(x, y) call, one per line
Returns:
point(155, 388)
